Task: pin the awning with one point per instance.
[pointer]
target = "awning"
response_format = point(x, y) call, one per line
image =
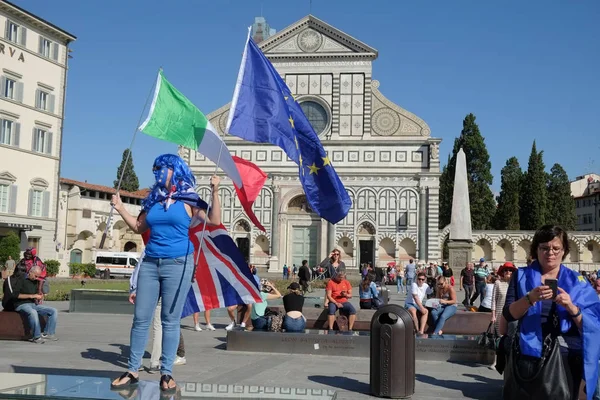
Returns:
point(19, 227)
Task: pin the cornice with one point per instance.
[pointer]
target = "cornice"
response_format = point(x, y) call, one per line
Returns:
point(20, 15)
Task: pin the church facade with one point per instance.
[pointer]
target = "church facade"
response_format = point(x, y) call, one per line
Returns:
point(384, 154)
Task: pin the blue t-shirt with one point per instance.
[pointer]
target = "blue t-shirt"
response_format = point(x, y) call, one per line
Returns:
point(370, 293)
point(169, 237)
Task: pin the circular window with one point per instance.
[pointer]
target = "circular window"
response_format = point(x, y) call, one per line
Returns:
point(316, 115)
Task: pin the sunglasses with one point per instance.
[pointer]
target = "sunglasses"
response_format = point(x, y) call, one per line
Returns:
point(421, 279)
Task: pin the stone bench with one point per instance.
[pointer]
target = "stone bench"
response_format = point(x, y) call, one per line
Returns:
point(461, 323)
point(456, 348)
point(14, 326)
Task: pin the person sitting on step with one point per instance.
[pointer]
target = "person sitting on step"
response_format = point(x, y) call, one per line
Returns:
point(339, 291)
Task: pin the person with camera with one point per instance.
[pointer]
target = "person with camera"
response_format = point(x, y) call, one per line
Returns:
point(334, 264)
point(268, 292)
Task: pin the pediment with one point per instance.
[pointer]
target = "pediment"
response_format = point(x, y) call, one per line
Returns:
point(7, 177)
point(309, 37)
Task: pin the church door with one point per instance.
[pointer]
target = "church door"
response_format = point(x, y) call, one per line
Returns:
point(304, 245)
point(366, 252)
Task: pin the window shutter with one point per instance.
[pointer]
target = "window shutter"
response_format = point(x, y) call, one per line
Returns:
point(51, 103)
point(54, 51)
point(46, 204)
point(41, 45)
point(6, 27)
point(23, 36)
point(34, 139)
point(49, 142)
point(12, 203)
point(17, 134)
point(30, 203)
point(37, 98)
point(19, 95)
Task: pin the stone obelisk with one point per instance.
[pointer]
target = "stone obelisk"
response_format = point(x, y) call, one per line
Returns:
point(460, 245)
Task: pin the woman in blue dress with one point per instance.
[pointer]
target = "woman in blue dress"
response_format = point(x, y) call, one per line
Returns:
point(166, 271)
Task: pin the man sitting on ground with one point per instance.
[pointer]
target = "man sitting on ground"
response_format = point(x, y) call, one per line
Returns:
point(21, 295)
point(339, 291)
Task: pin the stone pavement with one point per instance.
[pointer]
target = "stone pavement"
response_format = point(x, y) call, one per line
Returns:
point(97, 345)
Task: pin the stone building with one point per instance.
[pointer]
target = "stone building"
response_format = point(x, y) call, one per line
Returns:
point(585, 190)
point(33, 81)
point(82, 217)
point(384, 154)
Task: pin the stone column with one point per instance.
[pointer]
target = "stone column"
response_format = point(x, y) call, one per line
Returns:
point(330, 237)
point(422, 238)
point(274, 260)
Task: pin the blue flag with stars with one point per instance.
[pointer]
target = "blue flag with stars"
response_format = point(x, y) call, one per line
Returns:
point(263, 110)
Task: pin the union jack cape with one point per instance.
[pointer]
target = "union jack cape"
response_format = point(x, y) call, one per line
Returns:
point(223, 278)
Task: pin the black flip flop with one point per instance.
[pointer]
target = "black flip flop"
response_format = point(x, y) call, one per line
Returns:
point(132, 381)
point(166, 379)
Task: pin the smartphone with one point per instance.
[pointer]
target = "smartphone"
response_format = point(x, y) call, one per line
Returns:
point(553, 284)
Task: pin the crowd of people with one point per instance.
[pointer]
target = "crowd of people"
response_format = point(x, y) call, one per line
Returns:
point(546, 316)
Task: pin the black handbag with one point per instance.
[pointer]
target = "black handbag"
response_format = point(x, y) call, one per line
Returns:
point(489, 338)
point(550, 377)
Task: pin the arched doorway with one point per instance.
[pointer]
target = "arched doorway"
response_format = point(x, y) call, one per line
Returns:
point(75, 256)
point(366, 243)
point(130, 247)
point(241, 233)
point(303, 232)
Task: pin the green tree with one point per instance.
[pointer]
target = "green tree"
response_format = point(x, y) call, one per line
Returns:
point(130, 181)
point(561, 206)
point(483, 206)
point(507, 213)
point(534, 194)
point(10, 245)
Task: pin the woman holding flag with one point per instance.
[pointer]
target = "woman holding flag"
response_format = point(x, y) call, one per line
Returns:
point(556, 342)
point(167, 268)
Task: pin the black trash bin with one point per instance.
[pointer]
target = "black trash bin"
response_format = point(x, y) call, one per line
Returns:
point(392, 371)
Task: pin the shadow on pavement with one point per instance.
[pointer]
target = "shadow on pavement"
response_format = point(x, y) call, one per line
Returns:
point(485, 388)
point(341, 382)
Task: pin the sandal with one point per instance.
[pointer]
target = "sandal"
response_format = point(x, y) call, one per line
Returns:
point(164, 384)
point(132, 381)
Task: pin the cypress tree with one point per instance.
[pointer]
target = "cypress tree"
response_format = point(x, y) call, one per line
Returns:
point(507, 213)
point(561, 206)
point(130, 181)
point(479, 174)
point(534, 192)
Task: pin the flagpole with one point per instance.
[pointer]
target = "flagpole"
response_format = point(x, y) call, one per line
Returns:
point(212, 188)
point(112, 206)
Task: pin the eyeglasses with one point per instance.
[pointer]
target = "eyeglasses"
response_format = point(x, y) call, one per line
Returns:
point(546, 249)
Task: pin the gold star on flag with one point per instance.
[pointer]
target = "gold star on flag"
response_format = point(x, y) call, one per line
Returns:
point(326, 161)
point(292, 122)
point(313, 169)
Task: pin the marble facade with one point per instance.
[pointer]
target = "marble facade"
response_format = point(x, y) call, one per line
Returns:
point(384, 154)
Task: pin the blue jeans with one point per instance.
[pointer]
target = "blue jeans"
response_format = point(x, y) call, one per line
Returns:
point(347, 309)
point(440, 315)
point(294, 324)
point(33, 311)
point(479, 291)
point(170, 279)
point(409, 282)
point(399, 284)
point(260, 324)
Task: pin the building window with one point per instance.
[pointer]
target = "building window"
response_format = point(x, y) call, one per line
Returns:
point(44, 100)
point(86, 213)
point(33, 242)
point(41, 141)
point(48, 48)
point(9, 88)
point(316, 115)
point(4, 198)
point(37, 198)
point(15, 33)
point(6, 131)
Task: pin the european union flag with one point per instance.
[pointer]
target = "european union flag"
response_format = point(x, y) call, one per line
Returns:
point(263, 110)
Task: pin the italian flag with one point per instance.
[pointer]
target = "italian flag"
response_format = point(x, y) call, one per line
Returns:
point(174, 118)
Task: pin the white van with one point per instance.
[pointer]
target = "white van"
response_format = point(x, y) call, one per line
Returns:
point(118, 263)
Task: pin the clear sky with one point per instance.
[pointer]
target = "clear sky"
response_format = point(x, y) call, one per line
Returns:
point(527, 69)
